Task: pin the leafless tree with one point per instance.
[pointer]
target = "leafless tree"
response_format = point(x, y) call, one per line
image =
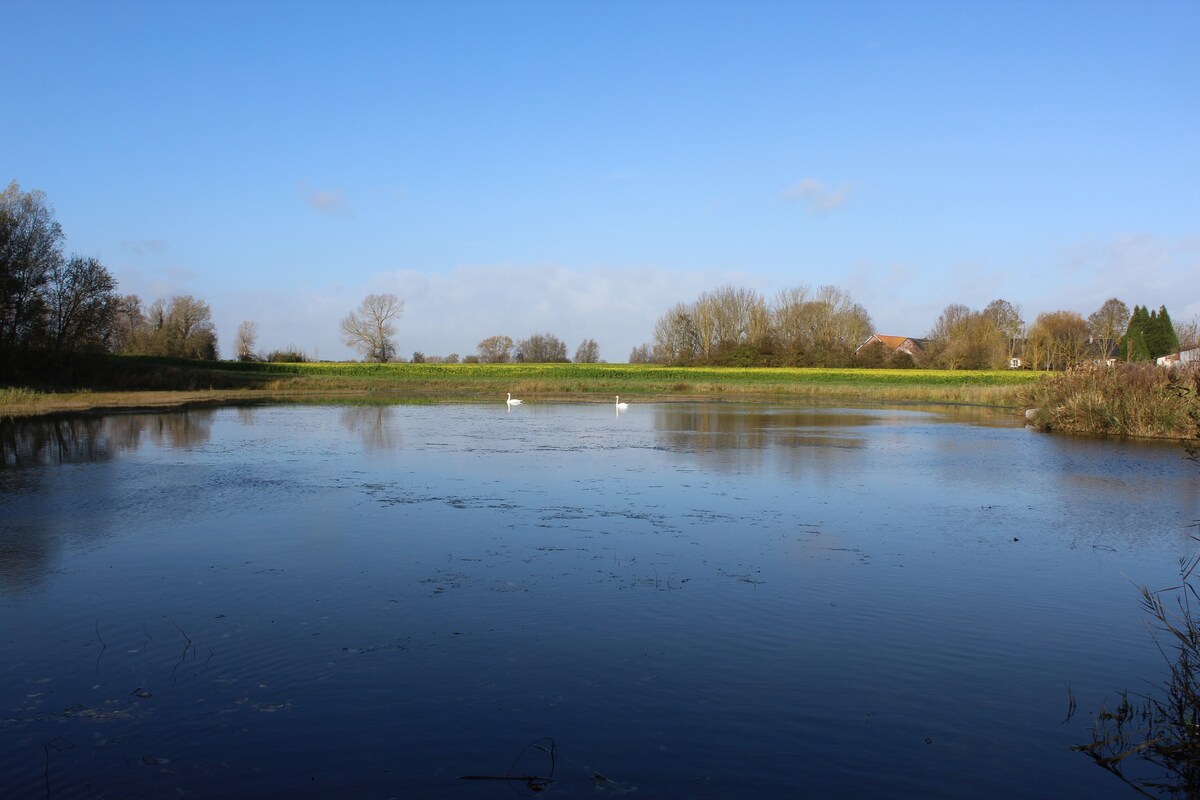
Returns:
point(966, 339)
point(370, 329)
point(541, 348)
point(128, 322)
point(81, 304)
point(787, 322)
point(244, 342)
point(642, 354)
point(190, 328)
point(1007, 319)
point(676, 340)
point(1188, 333)
point(588, 352)
point(495, 350)
point(181, 328)
point(1057, 340)
point(1108, 324)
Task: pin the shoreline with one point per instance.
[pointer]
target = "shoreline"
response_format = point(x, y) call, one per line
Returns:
point(102, 402)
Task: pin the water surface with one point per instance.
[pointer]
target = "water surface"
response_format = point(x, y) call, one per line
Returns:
point(687, 600)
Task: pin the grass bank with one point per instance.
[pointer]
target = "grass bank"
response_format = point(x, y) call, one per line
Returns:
point(1125, 400)
point(146, 382)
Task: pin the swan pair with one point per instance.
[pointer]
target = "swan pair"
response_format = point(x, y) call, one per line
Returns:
point(512, 401)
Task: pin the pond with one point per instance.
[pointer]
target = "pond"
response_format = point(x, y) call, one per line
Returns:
point(679, 600)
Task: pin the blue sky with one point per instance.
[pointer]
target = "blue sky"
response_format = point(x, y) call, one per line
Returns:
point(578, 167)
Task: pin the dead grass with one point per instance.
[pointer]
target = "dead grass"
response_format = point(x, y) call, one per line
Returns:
point(1126, 400)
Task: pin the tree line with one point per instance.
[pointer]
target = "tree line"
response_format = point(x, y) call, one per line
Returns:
point(539, 348)
point(52, 301)
point(802, 327)
point(738, 327)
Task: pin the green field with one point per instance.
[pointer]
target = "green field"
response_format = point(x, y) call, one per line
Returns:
point(599, 380)
point(124, 381)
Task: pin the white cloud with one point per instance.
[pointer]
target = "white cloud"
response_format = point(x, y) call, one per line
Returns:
point(815, 196)
point(452, 312)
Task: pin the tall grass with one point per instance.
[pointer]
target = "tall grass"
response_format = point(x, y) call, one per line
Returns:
point(1127, 400)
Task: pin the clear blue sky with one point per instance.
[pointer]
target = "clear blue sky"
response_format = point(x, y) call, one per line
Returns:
point(578, 167)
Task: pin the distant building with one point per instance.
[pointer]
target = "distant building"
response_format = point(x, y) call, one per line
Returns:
point(1183, 357)
point(894, 344)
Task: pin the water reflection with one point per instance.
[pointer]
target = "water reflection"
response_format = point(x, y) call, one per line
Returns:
point(705, 428)
point(75, 440)
point(735, 438)
point(54, 441)
point(374, 425)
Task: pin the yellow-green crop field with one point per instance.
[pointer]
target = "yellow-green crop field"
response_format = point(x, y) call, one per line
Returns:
point(586, 380)
point(153, 382)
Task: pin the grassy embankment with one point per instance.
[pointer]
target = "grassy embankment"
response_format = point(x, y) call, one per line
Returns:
point(1126, 400)
point(146, 382)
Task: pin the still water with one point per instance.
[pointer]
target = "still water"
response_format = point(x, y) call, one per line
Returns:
point(677, 601)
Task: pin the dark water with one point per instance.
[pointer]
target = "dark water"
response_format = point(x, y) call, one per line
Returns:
point(703, 600)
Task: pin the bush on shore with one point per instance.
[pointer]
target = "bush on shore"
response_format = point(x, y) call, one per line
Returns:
point(1125, 399)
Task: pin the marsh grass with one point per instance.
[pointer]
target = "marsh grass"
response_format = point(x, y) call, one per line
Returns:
point(1127, 400)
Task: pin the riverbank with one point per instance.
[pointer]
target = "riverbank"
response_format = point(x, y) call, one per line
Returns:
point(165, 383)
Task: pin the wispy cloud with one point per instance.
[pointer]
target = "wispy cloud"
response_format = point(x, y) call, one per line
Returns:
point(1138, 268)
point(327, 201)
point(144, 247)
point(815, 196)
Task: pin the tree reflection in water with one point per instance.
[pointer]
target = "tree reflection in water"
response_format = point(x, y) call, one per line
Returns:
point(373, 424)
point(31, 541)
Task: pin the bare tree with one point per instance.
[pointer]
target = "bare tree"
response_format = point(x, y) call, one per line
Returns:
point(541, 348)
point(787, 322)
point(676, 340)
point(836, 325)
point(370, 328)
point(81, 304)
point(182, 328)
point(588, 352)
point(1188, 333)
point(189, 327)
point(1108, 323)
point(642, 354)
point(495, 350)
point(1057, 339)
point(966, 339)
point(243, 343)
point(1008, 321)
point(128, 322)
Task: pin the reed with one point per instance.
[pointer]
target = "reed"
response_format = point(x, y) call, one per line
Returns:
point(1126, 400)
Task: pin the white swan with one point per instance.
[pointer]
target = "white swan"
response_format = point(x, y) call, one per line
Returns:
point(511, 401)
point(620, 405)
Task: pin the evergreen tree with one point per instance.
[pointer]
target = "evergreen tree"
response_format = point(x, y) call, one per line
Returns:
point(1160, 335)
point(1133, 344)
